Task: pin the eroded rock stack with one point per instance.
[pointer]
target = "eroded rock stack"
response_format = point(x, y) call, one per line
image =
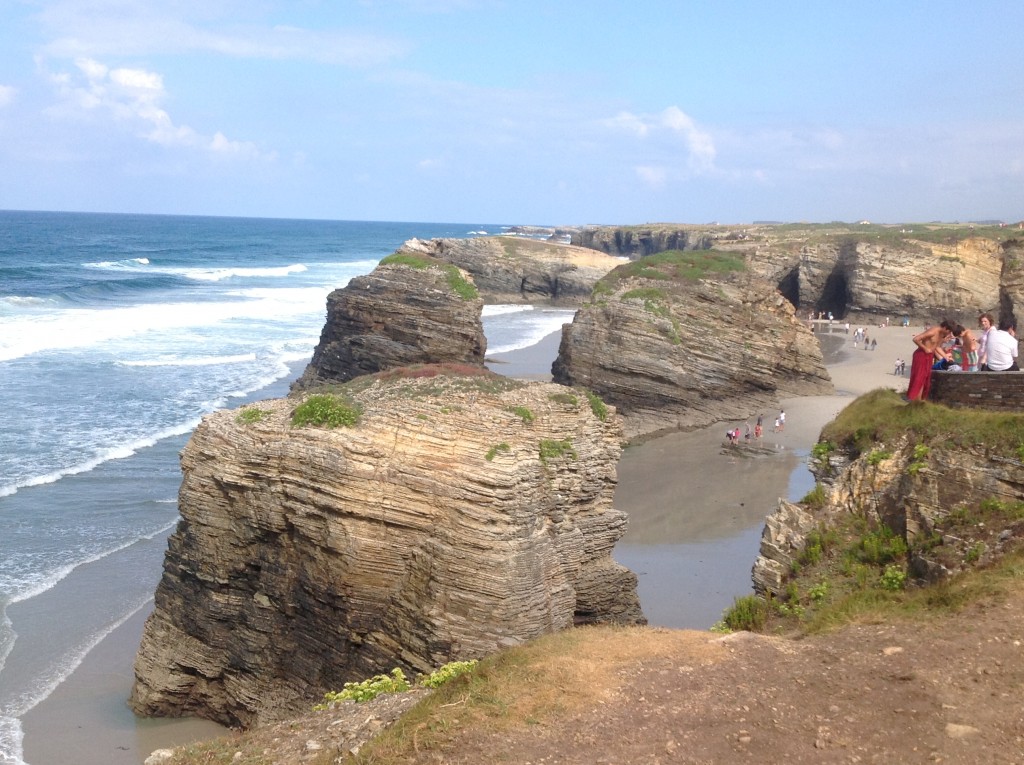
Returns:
point(414, 310)
point(462, 514)
point(519, 270)
point(675, 352)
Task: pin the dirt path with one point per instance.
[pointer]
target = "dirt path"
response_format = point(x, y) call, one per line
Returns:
point(951, 692)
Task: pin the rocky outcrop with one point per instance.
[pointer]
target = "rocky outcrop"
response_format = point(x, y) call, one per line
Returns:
point(635, 242)
point(408, 310)
point(916, 493)
point(510, 269)
point(673, 352)
point(924, 272)
point(1011, 296)
point(460, 515)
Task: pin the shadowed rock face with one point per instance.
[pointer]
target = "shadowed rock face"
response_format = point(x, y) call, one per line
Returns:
point(459, 516)
point(395, 316)
point(680, 354)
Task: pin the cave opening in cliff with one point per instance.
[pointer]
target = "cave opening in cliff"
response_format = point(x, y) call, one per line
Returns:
point(789, 286)
point(835, 296)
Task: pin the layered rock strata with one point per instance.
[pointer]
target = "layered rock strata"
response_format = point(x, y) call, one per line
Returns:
point(407, 311)
point(671, 353)
point(461, 515)
point(516, 270)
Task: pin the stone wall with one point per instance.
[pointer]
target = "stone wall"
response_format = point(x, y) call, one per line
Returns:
point(999, 391)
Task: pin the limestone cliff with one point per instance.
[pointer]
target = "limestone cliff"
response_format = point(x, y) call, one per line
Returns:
point(674, 351)
point(408, 310)
point(924, 271)
point(461, 514)
point(518, 270)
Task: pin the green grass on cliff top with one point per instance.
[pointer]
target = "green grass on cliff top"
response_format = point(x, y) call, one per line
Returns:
point(456, 281)
point(882, 416)
point(677, 266)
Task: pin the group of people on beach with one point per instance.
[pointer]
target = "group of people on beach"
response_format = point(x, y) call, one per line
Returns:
point(951, 346)
point(732, 435)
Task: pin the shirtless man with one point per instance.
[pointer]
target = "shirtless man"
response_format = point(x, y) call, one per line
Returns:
point(929, 348)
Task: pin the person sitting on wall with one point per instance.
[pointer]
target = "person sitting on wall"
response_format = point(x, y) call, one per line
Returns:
point(1001, 349)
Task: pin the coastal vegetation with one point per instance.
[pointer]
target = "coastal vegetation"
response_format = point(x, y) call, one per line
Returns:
point(458, 283)
point(326, 410)
point(673, 266)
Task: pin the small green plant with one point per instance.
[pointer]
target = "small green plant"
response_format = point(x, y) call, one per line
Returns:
point(550, 449)
point(325, 410)
point(920, 459)
point(879, 547)
point(367, 689)
point(493, 451)
point(449, 671)
point(523, 413)
point(250, 415)
point(974, 552)
point(822, 450)
point(818, 592)
point(748, 612)
point(597, 406)
point(877, 456)
point(564, 398)
point(815, 498)
point(894, 578)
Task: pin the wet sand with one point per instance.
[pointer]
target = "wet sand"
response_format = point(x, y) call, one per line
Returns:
point(696, 511)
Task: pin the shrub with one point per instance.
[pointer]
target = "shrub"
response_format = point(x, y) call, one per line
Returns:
point(250, 415)
point(550, 450)
point(449, 671)
point(521, 411)
point(748, 613)
point(894, 578)
point(815, 498)
point(878, 455)
point(367, 690)
point(597, 406)
point(564, 398)
point(325, 410)
point(493, 451)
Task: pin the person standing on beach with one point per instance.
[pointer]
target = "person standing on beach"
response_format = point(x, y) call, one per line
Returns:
point(782, 420)
point(929, 347)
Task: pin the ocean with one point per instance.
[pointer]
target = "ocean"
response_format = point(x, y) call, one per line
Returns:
point(117, 334)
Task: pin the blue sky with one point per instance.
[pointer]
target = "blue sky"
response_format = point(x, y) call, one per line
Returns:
point(514, 111)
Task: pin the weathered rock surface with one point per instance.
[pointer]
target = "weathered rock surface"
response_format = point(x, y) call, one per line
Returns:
point(395, 316)
point(911, 493)
point(678, 354)
point(517, 270)
point(461, 515)
point(926, 273)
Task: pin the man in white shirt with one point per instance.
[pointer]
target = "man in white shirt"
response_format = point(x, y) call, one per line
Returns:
point(1001, 349)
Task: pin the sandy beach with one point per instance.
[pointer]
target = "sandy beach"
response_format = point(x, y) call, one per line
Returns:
point(696, 511)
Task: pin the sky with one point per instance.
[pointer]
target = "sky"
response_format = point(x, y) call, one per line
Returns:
point(545, 112)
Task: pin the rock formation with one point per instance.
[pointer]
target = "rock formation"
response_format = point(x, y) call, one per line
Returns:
point(925, 272)
point(518, 270)
point(915, 491)
point(461, 514)
point(673, 351)
point(408, 310)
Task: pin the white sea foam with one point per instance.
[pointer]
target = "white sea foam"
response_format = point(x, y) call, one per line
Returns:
point(198, 361)
point(119, 451)
point(11, 733)
point(219, 274)
point(119, 265)
point(498, 310)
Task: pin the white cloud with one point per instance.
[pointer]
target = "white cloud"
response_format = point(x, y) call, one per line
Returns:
point(134, 96)
point(653, 176)
point(7, 93)
point(673, 122)
point(91, 29)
